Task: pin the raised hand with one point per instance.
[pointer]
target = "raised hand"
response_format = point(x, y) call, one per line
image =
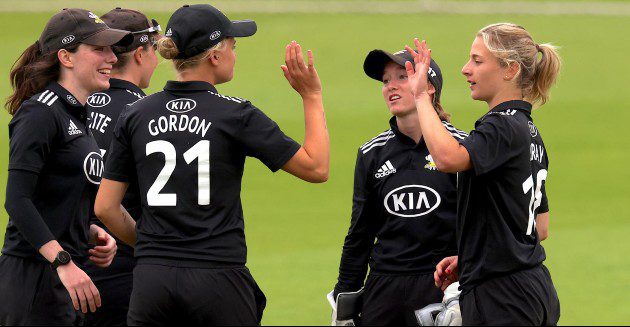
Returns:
point(103, 253)
point(302, 77)
point(417, 72)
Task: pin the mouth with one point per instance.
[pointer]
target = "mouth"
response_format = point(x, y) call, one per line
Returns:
point(394, 97)
point(104, 71)
point(471, 83)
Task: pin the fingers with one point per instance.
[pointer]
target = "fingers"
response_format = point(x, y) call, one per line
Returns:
point(300, 59)
point(82, 299)
point(96, 293)
point(451, 267)
point(90, 298)
point(409, 68)
point(311, 61)
point(75, 299)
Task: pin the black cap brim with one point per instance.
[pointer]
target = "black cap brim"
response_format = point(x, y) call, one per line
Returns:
point(109, 37)
point(376, 60)
point(242, 28)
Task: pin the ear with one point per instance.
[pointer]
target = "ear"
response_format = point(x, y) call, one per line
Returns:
point(214, 58)
point(65, 58)
point(431, 88)
point(137, 55)
point(512, 70)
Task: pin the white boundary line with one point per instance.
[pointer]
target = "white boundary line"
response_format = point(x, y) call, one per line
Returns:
point(347, 7)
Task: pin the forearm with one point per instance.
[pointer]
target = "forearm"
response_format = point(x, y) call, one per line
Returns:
point(50, 250)
point(316, 139)
point(119, 223)
point(448, 155)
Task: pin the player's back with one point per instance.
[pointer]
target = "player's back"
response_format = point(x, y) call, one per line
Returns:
point(189, 145)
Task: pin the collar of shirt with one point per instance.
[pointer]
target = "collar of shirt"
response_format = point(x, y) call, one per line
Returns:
point(513, 104)
point(190, 86)
point(116, 83)
point(70, 102)
point(404, 139)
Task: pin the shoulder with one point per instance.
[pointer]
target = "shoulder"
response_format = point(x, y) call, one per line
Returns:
point(36, 110)
point(376, 142)
point(455, 132)
point(229, 100)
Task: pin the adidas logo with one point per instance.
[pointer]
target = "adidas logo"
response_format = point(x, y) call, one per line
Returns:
point(385, 170)
point(73, 129)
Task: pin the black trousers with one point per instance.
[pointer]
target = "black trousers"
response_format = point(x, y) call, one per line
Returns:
point(164, 295)
point(524, 298)
point(114, 283)
point(32, 294)
point(392, 299)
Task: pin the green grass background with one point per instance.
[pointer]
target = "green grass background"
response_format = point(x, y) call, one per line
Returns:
point(295, 230)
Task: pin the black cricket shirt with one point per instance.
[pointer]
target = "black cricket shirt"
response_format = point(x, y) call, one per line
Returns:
point(406, 204)
point(501, 195)
point(104, 108)
point(49, 136)
point(187, 146)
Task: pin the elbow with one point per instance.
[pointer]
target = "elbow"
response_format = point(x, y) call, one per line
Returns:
point(445, 164)
point(320, 176)
point(101, 209)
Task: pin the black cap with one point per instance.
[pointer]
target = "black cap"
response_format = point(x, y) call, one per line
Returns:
point(375, 62)
point(74, 26)
point(197, 28)
point(135, 22)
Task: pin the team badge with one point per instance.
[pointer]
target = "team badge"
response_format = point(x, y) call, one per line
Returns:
point(96, 18)
point(430, 163)
point(93, 167)
point(533, 131)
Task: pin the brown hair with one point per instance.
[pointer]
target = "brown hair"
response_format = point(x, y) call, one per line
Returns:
point(123, 57)
point(512, 43)
point(444, 116)
point(168, 50)
point(30, 73)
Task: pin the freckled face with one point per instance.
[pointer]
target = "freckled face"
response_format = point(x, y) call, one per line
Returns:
point(396, 90)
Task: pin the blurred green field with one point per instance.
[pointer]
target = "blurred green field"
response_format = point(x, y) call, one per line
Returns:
point(295, 230)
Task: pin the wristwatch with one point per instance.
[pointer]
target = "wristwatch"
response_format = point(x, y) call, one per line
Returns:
point(62, 258)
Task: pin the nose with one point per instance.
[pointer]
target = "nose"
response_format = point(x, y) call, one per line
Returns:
point(110, 57)
point(466, 69)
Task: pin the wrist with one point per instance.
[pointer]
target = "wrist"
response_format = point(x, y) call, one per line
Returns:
point(63, 258)
point(311, 96)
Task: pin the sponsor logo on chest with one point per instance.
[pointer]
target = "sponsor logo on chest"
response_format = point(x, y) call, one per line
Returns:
point(98, 100)
point(93, 167)
point(411, 201)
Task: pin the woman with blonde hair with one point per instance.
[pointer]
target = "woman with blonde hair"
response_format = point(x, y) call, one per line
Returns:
point(503, 213)
point(186, 147)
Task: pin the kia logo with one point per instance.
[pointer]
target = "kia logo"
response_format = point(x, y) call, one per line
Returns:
point(98, 100)
point(215, 35)
point(93, 167)
point(179, 106)
point(412, 201)
point(67, 39)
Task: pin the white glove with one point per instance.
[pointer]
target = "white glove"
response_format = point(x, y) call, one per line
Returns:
point(446, 313)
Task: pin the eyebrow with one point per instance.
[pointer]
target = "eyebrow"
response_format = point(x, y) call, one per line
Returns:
point(476, 56)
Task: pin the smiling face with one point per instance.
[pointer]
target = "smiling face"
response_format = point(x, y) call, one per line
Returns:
point(396, 90)
point(487, 77)
point(92, 66)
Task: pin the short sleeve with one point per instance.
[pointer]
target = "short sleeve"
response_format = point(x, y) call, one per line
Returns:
point(32, 133)
point(120, 165)
point(544, 203)
point(263, 139)
point(490, 144)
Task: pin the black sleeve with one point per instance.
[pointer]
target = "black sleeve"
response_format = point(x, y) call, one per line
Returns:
point(490, 144)
point(361, 235)
point(32, 134)
point(544, 203)
point(120, 165)
point(21, 186)
point(263, 139)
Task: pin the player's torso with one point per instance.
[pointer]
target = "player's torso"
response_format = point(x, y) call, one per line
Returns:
point(415, 204)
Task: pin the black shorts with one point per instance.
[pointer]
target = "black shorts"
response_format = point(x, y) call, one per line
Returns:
point(114, 283)
point(392, 299)
point(524, 298)
point(165, 295)
point(32, 294)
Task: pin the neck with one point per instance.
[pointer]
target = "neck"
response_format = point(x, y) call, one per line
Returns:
point(506, 95)
point(74, 88)
point(410, 126)
point(127, 75)
point(199, 73)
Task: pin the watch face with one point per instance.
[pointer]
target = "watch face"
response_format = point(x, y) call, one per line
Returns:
point(63, 257)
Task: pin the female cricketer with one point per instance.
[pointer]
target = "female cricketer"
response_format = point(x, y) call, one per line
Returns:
point(404, 209)
point(502, 203)
point(186, 146)
point(55, 167)
point(130, 74)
